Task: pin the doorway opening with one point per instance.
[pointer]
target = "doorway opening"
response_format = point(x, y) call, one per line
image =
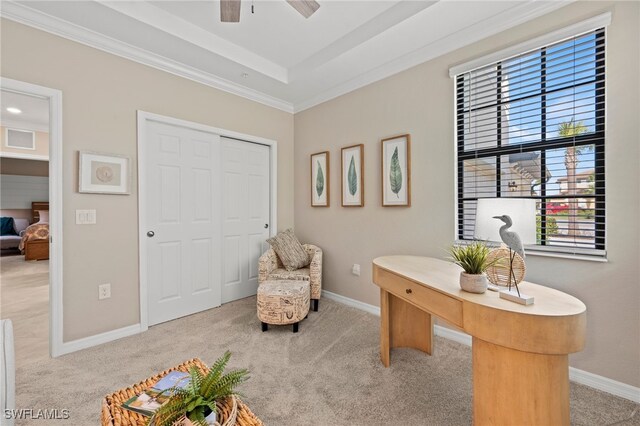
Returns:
point(30, 207)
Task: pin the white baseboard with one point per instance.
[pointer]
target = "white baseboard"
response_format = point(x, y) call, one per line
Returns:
point(605, 384)
point(375, 310)
point(582, 377)
point(98, 339)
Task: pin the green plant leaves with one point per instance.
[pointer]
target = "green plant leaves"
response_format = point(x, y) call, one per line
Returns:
point(473, 258)
point(201, 394)
point(352, 177)
point(319, 180)
point(395, 173)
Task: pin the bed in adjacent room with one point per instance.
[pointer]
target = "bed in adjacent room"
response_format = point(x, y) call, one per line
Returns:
point(35, 241)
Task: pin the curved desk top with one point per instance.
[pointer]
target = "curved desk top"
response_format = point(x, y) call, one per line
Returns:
point(554, 324)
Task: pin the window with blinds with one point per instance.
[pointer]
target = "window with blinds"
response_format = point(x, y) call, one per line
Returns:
point(533, 126)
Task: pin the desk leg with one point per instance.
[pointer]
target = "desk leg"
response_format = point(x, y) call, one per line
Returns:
point(402, 325)
point(512, 387)
point(384, 327)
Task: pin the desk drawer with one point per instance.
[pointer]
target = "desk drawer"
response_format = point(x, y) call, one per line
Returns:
point(440, 305)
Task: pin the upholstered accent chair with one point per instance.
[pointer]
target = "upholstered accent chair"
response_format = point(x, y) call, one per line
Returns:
point(270, 268)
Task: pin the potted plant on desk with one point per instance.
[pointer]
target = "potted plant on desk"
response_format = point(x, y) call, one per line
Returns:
point(473, 258)
point(196, 403)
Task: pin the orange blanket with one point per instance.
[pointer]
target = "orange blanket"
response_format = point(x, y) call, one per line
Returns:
point(37, 231)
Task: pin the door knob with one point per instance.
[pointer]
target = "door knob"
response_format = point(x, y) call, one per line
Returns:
point(150, 234)
point(266, 225)
point(409, 291)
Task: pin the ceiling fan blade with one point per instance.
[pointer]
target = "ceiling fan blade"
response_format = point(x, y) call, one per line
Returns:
point(230, 10)
point(305, 7)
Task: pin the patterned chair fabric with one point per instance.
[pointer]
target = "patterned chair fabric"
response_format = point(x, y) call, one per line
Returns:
point(283, 302)
point(270, 268)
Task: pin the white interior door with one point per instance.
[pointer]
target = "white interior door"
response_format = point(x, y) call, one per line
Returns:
point(183, 236)
point(245, 215)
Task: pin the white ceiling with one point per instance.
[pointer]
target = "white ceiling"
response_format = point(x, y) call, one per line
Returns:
point(34, 115)
point(274, 55)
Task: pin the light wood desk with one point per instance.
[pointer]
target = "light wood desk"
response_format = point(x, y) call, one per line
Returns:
point(520, 353)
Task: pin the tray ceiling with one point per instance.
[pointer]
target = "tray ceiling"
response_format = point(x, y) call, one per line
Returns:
point(274, 55)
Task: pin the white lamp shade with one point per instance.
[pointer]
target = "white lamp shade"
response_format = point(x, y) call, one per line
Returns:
point(522, 212)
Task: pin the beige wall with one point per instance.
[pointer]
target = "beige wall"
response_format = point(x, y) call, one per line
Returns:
point(18, 166)
point(101, 94)
point(42, 143)
point(17, 213)
point(420, 101)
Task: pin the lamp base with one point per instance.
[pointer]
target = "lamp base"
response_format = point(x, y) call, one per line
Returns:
point(512, 295)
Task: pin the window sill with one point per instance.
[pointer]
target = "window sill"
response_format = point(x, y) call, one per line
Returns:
point(599, 256)
point(572, 256)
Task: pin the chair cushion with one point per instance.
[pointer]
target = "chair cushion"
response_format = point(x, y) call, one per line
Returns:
point(289, 250)
point(20, 225)
point(283, 274)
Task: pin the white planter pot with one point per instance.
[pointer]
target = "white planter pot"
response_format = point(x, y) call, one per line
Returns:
point(473, 283)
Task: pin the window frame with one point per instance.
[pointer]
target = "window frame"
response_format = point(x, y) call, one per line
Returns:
point(596, 138)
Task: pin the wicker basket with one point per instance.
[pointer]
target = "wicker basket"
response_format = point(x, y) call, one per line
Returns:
point(231, 411)
point(498, 273)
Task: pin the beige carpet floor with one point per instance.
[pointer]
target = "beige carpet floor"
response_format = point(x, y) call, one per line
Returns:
point(327, 374)
point(24, 298)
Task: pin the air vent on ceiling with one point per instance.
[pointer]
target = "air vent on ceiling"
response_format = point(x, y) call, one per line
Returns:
point(20, 139)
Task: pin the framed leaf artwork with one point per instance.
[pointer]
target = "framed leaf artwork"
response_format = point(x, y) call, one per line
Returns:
point(320, 179)
point(396, 171)
point(352, 176)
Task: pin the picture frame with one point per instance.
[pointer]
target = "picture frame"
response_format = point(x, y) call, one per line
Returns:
point(396, 171)
point(352, 176)
point(100, 173)
point(320, 179)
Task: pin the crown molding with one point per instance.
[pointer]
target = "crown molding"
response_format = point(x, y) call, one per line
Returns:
point(473, 33)
point(478, 31)
point(25, 15)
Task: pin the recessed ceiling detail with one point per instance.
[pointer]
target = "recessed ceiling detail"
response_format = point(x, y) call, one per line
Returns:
point(294, 63)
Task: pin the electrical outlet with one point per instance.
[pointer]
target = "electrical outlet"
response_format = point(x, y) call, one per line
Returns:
point(104, 291)
point(355, 269)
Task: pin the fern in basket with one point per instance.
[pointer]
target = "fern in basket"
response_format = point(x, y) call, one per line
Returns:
point(198, 399)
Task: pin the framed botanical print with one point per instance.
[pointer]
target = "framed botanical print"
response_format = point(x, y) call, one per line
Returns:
point(396, 171)
point(353, 176)
point(320, 179)
point(103, 173)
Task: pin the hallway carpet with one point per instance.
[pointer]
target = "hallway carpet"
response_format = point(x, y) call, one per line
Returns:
point(24, 298)
point(327, 374)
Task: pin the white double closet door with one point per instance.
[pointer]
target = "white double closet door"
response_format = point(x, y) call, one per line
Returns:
point(207, 207)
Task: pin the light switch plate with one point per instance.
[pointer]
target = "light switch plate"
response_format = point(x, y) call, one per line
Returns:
point(85, 217)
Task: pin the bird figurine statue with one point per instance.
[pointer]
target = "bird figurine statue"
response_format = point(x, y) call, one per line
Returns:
point(513, 241)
